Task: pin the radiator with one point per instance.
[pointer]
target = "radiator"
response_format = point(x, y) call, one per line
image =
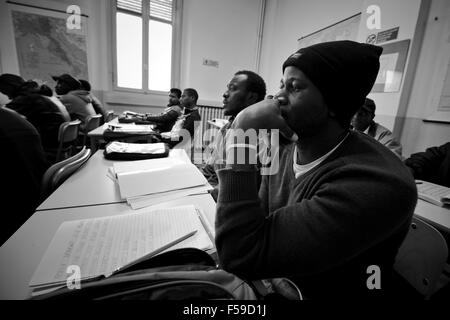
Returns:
point(209, 113)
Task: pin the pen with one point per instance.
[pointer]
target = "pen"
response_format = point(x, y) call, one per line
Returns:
point(155, 252)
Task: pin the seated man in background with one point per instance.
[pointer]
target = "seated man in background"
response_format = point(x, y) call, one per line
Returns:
point(188, 121)
point(243, 90)
point(433, 165)
point(363, 121)
point(23, 162)
point(77, 101)
point(47, 92)
point(166, 120)
point(339, 204)
point(96, 104)
point(28, 99)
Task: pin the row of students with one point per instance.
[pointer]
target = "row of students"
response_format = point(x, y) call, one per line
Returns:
point(340, 202)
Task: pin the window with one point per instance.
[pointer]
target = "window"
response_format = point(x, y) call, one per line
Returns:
point(143, 44)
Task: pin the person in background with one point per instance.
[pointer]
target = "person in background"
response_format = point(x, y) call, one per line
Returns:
point(77, 101)
point(166, 120)
point(24, 164)
point(98, 107)
point(188, 120)
point(433, 165)
point(28, 100)
point(243, 90)
point(47, 92)
point(339, 203)
point(363, 122)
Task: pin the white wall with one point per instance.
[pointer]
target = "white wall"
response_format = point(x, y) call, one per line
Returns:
point(403, 14)
point(427, 86)
point(288, 20)
point(224, 31)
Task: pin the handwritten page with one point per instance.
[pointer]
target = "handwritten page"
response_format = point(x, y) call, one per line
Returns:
point(101, 245)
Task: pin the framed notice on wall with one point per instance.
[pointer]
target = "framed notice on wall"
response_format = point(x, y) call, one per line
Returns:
point(392, 67)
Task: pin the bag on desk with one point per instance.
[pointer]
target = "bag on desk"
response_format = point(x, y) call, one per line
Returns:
point(135, 151)
point(179, 274)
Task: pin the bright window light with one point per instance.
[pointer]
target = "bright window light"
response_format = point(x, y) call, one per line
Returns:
point(159, 55)
point(129, 51)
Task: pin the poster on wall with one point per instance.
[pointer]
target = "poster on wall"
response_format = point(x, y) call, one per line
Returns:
point(392, 67)
point(46, 46)
point(346, 29)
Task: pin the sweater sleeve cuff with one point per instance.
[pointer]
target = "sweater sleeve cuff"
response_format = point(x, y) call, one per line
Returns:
point(237, 185)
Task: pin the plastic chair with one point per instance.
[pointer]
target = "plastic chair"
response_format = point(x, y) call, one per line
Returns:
point(69, 168)
point(92, 122)
point(421, 257)
point(47, 186)
point(68, 133)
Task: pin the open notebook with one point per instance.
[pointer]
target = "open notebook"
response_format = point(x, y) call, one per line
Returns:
point(433, 193)
point(99, 246)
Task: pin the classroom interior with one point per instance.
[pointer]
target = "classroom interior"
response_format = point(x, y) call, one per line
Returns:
point(259, 35)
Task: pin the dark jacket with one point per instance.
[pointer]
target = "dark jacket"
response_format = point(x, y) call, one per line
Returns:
point(23, 162)
point(322, 230)
point(42, 113)
point(433, 165)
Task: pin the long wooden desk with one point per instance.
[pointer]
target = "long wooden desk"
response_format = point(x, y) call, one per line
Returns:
point(22, 253)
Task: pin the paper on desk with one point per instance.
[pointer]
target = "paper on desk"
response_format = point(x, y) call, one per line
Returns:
point(130, 128)
point(156, 176)
point(147, 148)
point(101, 245)
point(152, 199)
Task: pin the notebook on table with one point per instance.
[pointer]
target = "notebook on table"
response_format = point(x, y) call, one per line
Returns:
point(99, 246)
point(433, 193)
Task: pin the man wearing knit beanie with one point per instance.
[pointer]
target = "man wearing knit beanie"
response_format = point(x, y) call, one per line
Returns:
point(339, 204)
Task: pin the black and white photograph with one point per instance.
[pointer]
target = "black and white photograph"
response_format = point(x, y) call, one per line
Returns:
point(225, 159)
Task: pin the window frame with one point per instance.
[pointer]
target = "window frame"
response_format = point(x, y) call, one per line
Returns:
point(177, 6)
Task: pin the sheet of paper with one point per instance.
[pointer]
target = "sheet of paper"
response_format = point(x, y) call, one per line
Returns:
point(101, 245)
point(152, 199)
point(148, 148)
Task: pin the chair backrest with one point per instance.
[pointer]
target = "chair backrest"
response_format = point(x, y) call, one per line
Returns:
point(421, 257)
point(70, 167)
point(109, 116)
point(68, 131)
point(92, 122)
point(47, 186)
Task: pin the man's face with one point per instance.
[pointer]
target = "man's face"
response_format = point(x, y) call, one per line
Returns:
point(61, 88)
point(362, 119)
point(173, 99)
point(237, 97)
point(186, 100)
point(305, 110)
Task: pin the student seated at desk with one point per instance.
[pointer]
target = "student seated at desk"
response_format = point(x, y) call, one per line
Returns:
point(23, 164)
point(339, 202)
point(363, 122)
point(166, 120)
point(244, 89)
point(187, 122)
point(28, 99)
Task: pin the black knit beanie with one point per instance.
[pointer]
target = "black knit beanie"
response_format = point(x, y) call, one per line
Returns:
point(343, 71)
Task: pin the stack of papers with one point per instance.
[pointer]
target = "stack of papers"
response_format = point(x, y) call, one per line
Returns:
point(99, 246)
point(433, 193)
point(147, 148)
point(147, 182)
point(130, 128)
